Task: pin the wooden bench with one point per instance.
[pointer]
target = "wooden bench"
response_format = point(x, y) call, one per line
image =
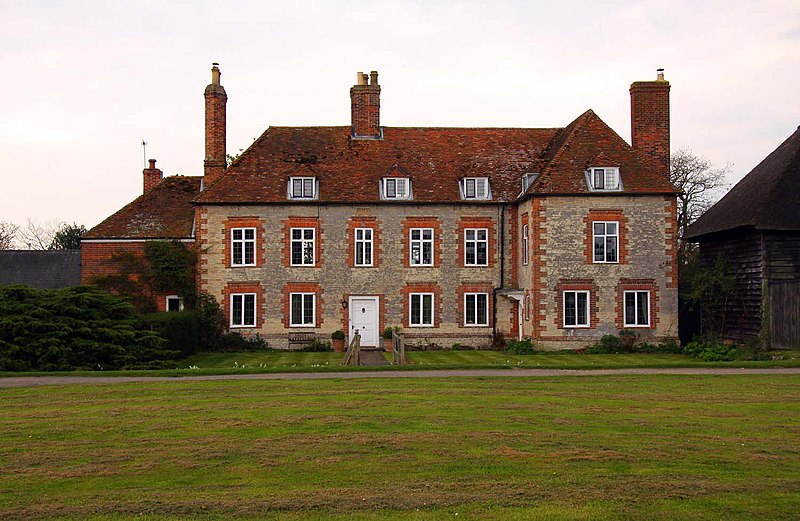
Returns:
point(300, 340)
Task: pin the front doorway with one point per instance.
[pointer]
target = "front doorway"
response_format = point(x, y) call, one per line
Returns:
point(364, 318)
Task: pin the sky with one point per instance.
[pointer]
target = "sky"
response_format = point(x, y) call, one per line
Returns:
point(83, 83)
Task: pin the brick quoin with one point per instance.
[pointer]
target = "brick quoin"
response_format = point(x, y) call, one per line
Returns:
point(538, 256)
point(364, 222)
point(671, 238)
point(422, 287)
point(201, 238)
point(637, 285)
point(478, 222)
point(286, 246)
point(481, 287)
point(576, 285)
point(302, 287)
point(245, 222)
point(513, 251)
point(422, 222)
point(622, 229)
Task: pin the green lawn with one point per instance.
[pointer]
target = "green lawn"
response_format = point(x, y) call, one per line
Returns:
point(626, 447)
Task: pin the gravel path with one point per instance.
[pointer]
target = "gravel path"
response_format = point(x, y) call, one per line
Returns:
point(29, 381)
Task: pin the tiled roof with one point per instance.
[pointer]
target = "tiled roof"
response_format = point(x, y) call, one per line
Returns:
point(767, 198)
point(349, 171)
point(588, 142)
point(41, 269)
point(165, 212)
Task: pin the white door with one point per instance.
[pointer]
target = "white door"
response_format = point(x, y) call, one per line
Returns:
point(364, 318)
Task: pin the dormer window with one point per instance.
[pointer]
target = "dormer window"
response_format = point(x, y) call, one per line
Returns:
point(396, 188)
point(606, 179)
point(302, 188)
point(527, 180)
point(475, 188)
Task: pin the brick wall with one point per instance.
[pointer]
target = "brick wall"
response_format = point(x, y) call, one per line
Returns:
point(650, 123)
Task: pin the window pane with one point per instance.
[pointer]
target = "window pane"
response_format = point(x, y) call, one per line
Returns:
point(427, 253)
point(611, 228)
point(643, 317)
point(297, 187)
point(470, 253)
point(470, 235)
point(249, 310)
point(480, 188)
point(367, 253)
point(582, 308)
point(611, 249)
point(237, 252)
point(367, 233)
point(308, 234)
point(297, 308)
point(599, 250)
point(611, 179)
point(630, 308)
point(598, 178)
point(483, 309)
point(427, 309)
point(308, 253)
point(470, 309)
point(249, 253)
point(236, 311)
point(569, 308)
point(237, 234)
point(297, 252)
point(416, 234)
point(360, 253)
point(308, 309)
point(427, 234)
point(470, 188)
point(297, 234)
point(415, 252)
point(308, 187)
point(391, 188)
point(415, 309)
point(481, 253)
point(599, 228)
point(173, 304)
point(402, 187)
point(481, 235)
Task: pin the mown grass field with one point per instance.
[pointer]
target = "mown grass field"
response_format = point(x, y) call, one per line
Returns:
point(626, 447)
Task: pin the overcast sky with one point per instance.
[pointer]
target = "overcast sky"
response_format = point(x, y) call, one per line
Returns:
point(83, 83)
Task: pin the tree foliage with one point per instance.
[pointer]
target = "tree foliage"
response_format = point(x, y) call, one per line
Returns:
point(701, 185)
point(80, 327)
point(67, 237)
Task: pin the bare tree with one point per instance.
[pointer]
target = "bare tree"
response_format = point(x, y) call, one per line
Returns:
point(8, 234)
point(702, 185)
point(39, 236)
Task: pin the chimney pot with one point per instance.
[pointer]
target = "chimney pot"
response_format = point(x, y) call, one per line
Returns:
point(660, 74)
point(152, 163)
point(215, 73)
point(373, 78)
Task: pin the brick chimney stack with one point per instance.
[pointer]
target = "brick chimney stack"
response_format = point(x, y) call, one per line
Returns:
point(650, 121)
point(216, 98)
point(152, 176)
point(365, 105)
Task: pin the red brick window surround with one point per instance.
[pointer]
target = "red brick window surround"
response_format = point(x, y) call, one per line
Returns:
point(576, 304)
point(363, 242)
point(635, 298)
point(612, 239)
point(302, 242)
point(244, 242)
point(420, 295)
point(422, 242)
point(475, 305)
point(477, 242)
point(244, 304)
point(298, 300)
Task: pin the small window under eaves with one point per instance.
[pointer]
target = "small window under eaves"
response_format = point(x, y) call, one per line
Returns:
point(475, 188)
point(302, 188)
point(603, 179)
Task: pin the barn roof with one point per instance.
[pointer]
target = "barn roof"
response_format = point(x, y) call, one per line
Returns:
point(767, 198)
point(47, 269)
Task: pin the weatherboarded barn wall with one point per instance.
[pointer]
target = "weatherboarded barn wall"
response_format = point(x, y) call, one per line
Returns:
point(782, 287)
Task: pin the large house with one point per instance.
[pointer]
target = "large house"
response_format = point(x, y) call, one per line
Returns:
point(457, 235)
point(755, 230)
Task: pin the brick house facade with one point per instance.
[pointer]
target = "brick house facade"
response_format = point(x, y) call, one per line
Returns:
point(457, 235)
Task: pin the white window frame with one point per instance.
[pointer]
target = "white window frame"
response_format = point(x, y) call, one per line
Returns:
point(476, 243)
point(305, 183)
point(473, 184)
point(395, 183)
point(525, 254)
point(421, 297)
point(168, 298)
point(303, 241)
point(608, 180)
point(527, 307)
point(242, 317)
point(605, 235)
point(303, 322)
point(576, 325)
point(244, 243)
point(475, 323)
point(364, 245)
point(636, 316)
point(422, 242)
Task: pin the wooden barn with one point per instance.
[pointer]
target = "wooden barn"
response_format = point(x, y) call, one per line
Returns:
point(755, 228)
